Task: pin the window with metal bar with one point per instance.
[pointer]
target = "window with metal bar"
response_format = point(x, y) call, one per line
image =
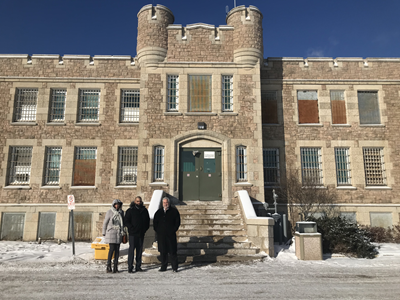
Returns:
point(25, 105)
point(19, 172)
point(311, 166)
point(241, 163)
point(127, 166)
point(130, 102)
point(52, 166)
point(57, 105)
point(374, 166)
point(269, 106)
point(200, 93)
point(173, 93)
point(368, 107)
point(271, 166)
point(227, 93)
point(89, 102)
point(85, 166)
point(308, 107)
point(342, 160)
point(158, 163)
point(338, 107)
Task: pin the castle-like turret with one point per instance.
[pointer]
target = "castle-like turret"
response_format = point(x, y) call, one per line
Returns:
point(152, 41)
point(248, 34)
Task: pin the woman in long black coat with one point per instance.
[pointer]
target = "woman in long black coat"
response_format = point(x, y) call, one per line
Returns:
point(166, 223)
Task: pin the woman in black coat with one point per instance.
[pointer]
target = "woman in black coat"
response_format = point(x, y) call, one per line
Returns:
point(166, 223)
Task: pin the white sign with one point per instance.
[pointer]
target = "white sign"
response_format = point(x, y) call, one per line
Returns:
point(209, 154)
point(71, 201)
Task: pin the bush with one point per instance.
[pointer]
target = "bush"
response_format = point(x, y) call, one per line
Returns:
point(383, 235)
point(342, 236)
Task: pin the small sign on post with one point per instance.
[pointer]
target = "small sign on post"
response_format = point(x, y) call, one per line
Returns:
point(71, 207)
point(71, 202)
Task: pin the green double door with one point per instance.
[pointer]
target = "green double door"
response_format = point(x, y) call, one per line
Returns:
point(200, 174)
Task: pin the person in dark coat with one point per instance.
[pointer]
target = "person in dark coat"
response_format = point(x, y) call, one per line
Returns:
point(137, 220)
point(166, 223)
point(113, 230)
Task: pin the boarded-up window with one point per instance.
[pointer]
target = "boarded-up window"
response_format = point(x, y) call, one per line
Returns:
point(308, 107)
point(47, 225)
point(82, 226)
point(269, 107)
point(200, 93)
point(85, 166)
point(368, 107)
point(338, 107)
point(12, 226)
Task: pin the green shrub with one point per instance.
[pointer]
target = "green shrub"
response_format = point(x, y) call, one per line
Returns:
point(342, 236)
point(383, 235)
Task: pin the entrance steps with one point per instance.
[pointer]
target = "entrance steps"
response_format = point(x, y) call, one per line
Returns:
point(209, 232)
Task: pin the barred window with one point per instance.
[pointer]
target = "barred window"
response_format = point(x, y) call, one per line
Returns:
point(241, 163)
point(159, 163)
point(227, 93)
point(271, 166)
point(374, 166)
point(127, 166)
point(308, 107)
point(269, 106)
point(57, 105)
point(338, 107)
point(130, 102)
point(52, 166)
point(25, 105)
point(311, 166)
point(342, 161)
point(368, 107)
point(19, 172)
point(200, 93)
point(85, 166)
point(173, 93)
point(89, 102)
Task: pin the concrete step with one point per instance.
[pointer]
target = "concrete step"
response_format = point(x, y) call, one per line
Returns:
point(209, 212)
point(187, 221)
point(215, 252)
point(223, 245)
point(197, 233)
point(211, 239)
point(154, 259)
point(210, 227)
point(210, 217)
point(210, 207)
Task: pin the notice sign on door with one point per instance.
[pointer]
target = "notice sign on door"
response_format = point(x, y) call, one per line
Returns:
point(209, 154)
point(71, 202)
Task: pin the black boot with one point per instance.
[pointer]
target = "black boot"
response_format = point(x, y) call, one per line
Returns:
point(109, 268)
point(115, 270)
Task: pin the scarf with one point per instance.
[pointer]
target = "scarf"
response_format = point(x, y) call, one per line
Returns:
point(117, 220)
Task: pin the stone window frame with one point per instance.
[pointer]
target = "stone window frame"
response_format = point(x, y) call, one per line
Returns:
point(327, 159)
point(177, 96)
point(302, 100)
point(115, 161)
point(155, 177)
point(118, 94)
point(15, 164)
point(348, 163)
point(345, 106)
point(278, 165)
point(381, 103)
point(51, 105)
point(231, 95)
point(47, 182)
point(75, 95)
point(241, 173)
point(320, 93)
point(310, 169)
point(65, 162)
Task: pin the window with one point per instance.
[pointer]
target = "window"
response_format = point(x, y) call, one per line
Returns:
point(308, 107)
point(130, 101)
point(368, 107)
point(311, 166)
point(85, 166)
point(127, 166)
point(20, 165)
point(342, 161)
point(200, 93)
point(57, 105)
point(173, 93)
point(271, 167)
point(159, 163)
point(338, 107)
point(241, 163)
point(269, 107)
point(25, 105)
point(227, 93)
point(52, 166)
point(89, 101)
point(374, 166)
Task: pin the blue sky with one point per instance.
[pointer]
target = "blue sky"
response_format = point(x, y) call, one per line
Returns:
point(292, 28)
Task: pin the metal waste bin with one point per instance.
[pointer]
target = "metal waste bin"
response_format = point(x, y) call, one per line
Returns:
point(308, 242)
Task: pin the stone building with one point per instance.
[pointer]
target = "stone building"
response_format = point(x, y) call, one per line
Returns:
point(198, 113)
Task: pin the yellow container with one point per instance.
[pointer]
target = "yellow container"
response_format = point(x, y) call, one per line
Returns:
point(100, 249)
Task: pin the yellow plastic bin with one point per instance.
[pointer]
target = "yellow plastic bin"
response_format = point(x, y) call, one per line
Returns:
point(100, 248)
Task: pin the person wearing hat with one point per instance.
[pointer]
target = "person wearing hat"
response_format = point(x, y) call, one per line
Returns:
point(113, 230)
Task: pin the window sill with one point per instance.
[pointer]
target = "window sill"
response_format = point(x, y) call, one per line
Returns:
point(341, 125)
point(378, 187)
point(23, 123)
point(318, 187)
point(242, 184)
point(311, 125)
point(55, 124)
point(83, 187)
point(173, 113)
point(346, 187)
point(87, 124)
point(125, 187)
point(200, 114)
point(372, 125)
point(50, 187)
point(129, 124)
point(158, 184)
point(228, 113)
point(17, 187)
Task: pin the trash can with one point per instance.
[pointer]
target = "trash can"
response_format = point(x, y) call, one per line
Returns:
point(308, 242)
point(100, 248)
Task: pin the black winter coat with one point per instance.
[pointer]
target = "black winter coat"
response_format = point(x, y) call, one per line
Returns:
point(137, 220)
point(166, 225)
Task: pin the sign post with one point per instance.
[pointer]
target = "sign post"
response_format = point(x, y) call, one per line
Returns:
point(71, 207)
